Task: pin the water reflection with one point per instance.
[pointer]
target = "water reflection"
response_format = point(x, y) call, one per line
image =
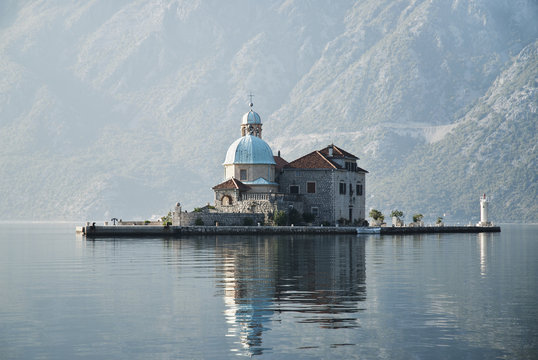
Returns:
point(316, 280)
point(446, 296)
point(267, 280)
point(483, 240)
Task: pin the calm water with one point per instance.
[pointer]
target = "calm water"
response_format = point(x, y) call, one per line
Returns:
point(447, 296)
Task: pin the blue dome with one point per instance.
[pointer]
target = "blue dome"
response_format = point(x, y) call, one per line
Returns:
point(252, 117)
point(249, 149)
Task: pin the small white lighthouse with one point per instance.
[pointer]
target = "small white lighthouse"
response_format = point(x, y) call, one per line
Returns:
point(484, 202)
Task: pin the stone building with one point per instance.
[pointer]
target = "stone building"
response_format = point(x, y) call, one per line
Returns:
point(325, 186)
point(328, 184)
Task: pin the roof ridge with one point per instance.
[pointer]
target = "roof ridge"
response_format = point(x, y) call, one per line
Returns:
point(338, 149)
point(324, 158)
point(235, 183)
point(344, 153)
point(238, 183)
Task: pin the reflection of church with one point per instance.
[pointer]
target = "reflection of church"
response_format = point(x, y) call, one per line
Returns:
point(320, 282)
point(325, 186)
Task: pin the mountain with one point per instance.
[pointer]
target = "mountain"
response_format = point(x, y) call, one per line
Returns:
point(492, 147)
point(123, 108)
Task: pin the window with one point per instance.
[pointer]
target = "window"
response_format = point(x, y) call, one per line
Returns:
point(342, 188)
point(294, 189)
point(359, 189)
point(350, 189)
point(314, 210)
point(311, 187)
point(351, 166)
point(242, 174)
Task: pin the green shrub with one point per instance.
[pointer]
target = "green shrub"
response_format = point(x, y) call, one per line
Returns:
point(417, 217)
point(248, 221)
point(199, 222)
point(167, 220)
point(279, 217)
point(294, 217)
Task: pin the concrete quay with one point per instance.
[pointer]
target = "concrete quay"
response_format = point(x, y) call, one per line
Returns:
point(93, 231)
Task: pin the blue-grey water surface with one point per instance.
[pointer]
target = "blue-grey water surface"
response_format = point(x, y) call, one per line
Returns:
point(447, 296)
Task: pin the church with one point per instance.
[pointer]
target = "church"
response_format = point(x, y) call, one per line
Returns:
point(324, 187)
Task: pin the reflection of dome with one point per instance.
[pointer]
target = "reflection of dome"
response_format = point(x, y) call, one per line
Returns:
point(252, 117)
point(249, 149)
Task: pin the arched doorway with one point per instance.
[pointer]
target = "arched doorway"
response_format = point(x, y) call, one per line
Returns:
point(226, 200)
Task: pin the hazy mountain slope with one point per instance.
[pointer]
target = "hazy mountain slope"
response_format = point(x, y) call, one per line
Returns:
point(492, 148)
point(139, 100)
point(123, 108)
point(406, 65)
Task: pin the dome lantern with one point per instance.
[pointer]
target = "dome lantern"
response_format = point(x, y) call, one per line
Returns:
point(251, 123)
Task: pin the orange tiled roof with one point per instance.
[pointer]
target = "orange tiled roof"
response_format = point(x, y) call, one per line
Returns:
point(337, 152)
point(314, 160)
point(320, 159)
point(232, 183)
point(280, 162)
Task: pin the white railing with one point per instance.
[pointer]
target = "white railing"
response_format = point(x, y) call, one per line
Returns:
point(255, 196)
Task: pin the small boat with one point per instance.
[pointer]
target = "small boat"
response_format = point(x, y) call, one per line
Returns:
point(369, 230)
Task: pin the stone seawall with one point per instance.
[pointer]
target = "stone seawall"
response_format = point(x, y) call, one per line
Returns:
point(176, 231)
point(437, 229)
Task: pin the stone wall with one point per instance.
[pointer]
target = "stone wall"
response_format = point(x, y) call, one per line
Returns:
point(331, 205)
point(254, 203)
point(343, 202)
point(213, 218)
point(322, 199)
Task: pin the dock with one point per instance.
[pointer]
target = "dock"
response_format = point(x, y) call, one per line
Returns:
point(94, 231)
